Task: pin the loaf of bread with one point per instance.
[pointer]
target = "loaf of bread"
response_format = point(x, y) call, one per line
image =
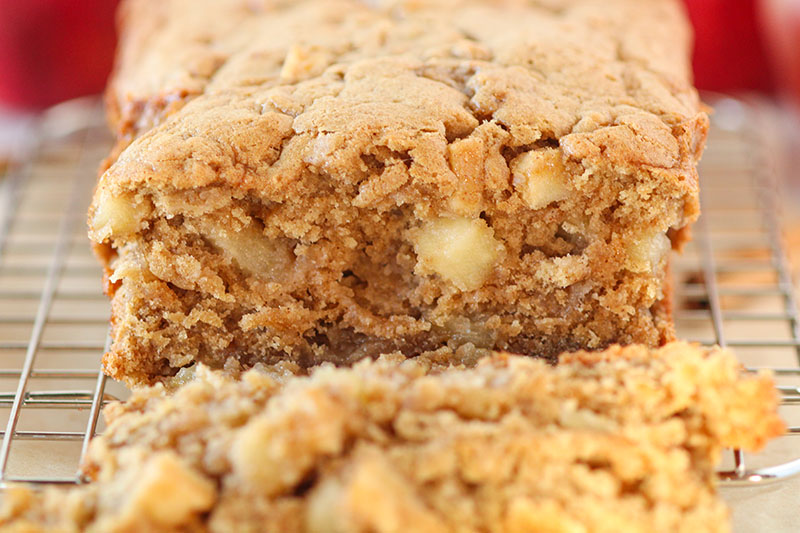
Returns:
point(622, 440)
point(328, 180)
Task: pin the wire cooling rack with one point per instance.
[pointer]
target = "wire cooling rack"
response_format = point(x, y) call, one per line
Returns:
point(53, 315)
point(733, 284)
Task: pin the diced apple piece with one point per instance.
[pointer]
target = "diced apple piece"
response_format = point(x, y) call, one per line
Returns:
point(647, 252)
point(376, 493)
point(303, 62)
point(463, 251)
point(540, 177)
point(254, 252)
point(116, 216)
point(467, 159)
point(168, 493)
point(463, 330)
point(129, 264)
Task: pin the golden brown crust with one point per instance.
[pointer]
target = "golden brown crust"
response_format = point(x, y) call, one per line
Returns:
point(394, 176)
point(626, 439)
point(203, 57)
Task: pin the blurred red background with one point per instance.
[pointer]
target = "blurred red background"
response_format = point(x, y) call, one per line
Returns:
point(53, 50)
point(730, 51)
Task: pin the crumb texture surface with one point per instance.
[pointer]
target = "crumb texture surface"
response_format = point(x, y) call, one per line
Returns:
point(621, 440)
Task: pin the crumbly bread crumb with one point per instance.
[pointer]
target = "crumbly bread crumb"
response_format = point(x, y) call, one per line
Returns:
point(623, 440)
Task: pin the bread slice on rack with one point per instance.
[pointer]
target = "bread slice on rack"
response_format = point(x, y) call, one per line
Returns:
point(621, 440)
point(315, 180)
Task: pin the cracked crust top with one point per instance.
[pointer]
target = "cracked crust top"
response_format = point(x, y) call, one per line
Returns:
point(542, 70)
point(295, 87)
point(595, 54)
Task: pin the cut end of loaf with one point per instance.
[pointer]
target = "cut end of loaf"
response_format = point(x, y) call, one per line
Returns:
point(346, 181)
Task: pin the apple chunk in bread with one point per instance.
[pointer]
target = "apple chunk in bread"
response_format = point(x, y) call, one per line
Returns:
point(463, 251)
point(540, 177)
point(252, 251)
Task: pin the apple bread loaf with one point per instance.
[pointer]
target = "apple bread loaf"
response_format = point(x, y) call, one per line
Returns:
point(622, 440)
point(380, 176)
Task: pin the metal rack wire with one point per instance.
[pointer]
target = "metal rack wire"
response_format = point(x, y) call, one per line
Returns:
point(733, 284)
point(53, 315)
